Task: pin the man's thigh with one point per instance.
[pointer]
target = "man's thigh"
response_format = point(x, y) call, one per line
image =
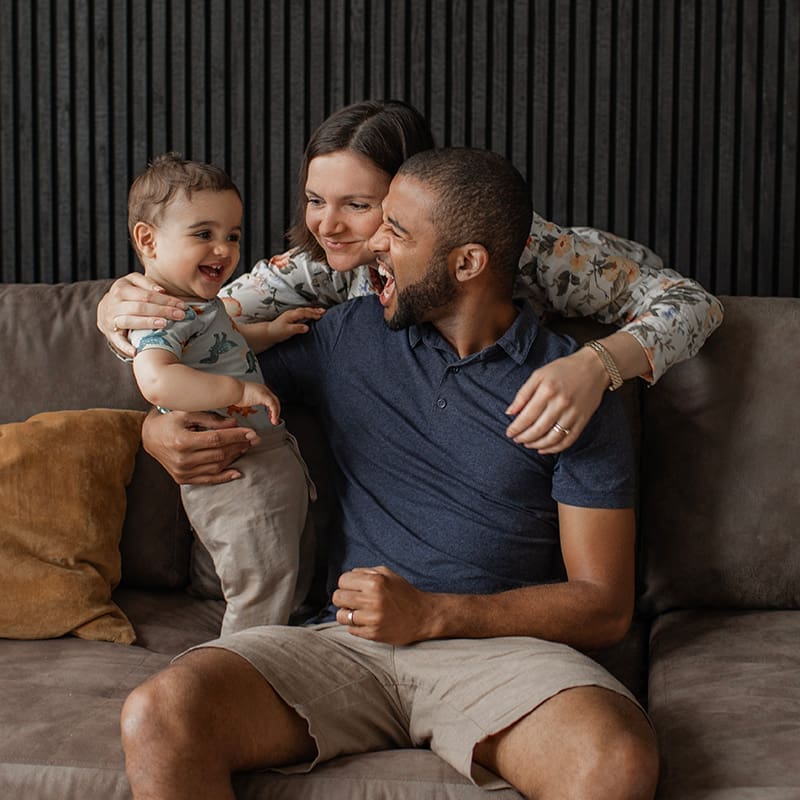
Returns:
point(583, 742)
point(225, 706)
point(462, 692)
point(344, 695)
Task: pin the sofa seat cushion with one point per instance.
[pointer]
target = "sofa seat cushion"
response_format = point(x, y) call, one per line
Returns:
point(59, 716)
point(61, 701)
point(170, 622)
point(388, 775)
point(724, 696)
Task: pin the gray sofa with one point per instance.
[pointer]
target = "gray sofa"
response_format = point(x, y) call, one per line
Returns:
point(714, 650)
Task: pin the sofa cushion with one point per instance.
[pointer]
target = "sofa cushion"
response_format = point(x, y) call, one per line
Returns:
point(156, 536)
point(60, 360)
point(59, 735)
point(36, 322)
point(725, 701)
point(170, 622)
point(721, 467)
point(59, 720)
point(62, 506)
point(388, 775)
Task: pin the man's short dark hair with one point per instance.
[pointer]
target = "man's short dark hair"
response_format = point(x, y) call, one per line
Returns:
point(481, 198)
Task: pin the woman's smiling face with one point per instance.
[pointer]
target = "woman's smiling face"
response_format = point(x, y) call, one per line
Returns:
point(344, 191)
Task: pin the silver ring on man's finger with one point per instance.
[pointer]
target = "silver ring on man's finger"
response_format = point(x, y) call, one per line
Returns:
point(561, 429)
point(350, 614)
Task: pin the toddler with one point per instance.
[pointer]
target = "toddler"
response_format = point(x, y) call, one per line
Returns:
point(184, 220)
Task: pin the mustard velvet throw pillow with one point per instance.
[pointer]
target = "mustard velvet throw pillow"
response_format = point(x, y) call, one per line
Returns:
point(62, 504)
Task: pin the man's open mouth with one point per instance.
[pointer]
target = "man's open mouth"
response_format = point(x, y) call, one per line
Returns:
point(382, 282)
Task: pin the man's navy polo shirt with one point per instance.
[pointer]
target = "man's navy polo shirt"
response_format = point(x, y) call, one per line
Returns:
point(429, 484)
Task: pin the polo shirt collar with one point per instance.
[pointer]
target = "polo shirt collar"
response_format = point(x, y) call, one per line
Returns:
point(516, 342)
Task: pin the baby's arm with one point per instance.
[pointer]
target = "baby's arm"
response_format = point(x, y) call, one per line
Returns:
point(165, 382)
point(263, 335)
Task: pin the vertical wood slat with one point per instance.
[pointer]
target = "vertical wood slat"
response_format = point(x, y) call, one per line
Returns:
point(785, 201)
point(673, 122)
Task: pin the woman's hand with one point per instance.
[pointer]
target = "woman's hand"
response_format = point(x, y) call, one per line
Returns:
point(134, 302)
point(196, 447)
point(565, 392)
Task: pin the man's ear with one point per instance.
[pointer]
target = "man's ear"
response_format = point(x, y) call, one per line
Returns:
point(144, 239)
point(470, 260)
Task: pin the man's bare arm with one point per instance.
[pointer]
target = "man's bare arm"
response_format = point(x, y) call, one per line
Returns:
point(591, 609)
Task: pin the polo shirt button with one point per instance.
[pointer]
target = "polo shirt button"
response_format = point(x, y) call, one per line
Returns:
point(441, 402)
point(456, 369)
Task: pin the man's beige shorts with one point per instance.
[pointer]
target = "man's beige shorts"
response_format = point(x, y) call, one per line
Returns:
point(358, 696)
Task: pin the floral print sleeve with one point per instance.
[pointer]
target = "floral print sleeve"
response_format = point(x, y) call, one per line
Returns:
point(287, 281)
point(583, 272)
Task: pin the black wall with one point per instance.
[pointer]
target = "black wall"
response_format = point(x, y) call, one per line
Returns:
point(674, 122)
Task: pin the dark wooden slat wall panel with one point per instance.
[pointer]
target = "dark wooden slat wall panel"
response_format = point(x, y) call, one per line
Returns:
point(674, 122)
point(705, 133)
point(785, 199)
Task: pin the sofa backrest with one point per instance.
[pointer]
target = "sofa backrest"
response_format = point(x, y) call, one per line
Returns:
point(720, 484)
point(53, 358)
point(720, 499)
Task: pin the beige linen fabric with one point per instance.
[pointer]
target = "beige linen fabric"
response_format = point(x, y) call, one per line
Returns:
point(258, 532)
point(360, 696)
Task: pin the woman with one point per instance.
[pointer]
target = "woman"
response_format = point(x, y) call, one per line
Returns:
point(346, 171)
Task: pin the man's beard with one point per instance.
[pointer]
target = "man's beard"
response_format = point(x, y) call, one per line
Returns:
point(415, 302)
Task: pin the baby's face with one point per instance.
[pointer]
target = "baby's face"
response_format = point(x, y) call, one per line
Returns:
point(196, 244)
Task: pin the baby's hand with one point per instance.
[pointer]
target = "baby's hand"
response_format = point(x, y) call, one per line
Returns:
point(256, 394)
point(290, 323)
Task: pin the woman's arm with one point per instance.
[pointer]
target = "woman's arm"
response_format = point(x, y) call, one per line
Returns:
point(290, 280)
point(664, 318)
point(582, 272)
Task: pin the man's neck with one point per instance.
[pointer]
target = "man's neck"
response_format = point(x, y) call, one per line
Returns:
point(476, 323)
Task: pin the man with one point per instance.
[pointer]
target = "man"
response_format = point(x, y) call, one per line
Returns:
point(469, 566)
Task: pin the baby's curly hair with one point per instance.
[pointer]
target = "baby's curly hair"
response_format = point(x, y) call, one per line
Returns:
point(167, 175)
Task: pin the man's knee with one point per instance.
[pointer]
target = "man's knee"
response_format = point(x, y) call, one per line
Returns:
point(583, 743)
point(153, 715)
point(619, 764)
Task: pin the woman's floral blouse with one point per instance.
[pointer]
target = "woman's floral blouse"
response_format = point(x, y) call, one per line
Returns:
point(574, 272)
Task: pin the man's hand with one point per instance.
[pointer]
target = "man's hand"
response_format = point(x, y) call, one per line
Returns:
point(379, 605)
point(196, 447)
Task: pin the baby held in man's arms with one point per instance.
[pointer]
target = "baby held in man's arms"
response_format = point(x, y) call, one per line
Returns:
point(184, 220)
